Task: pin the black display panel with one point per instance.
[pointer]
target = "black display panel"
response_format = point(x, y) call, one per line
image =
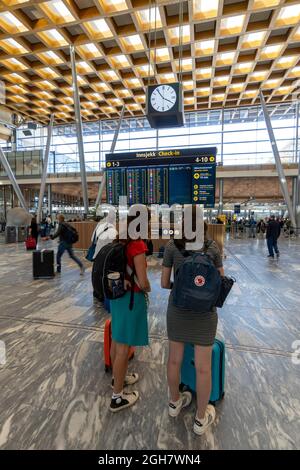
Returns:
point(115, 185)
point(136, 185)
point(204, 183)
point(157, 185)
point(180, 183)
point(182, 176)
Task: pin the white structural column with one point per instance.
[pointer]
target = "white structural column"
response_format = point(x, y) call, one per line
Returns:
point(297, 183)
point(12, 179)
point(221, 189)
point(280, 171)
point(45, 167)
point(112, 149)
point(79, 131)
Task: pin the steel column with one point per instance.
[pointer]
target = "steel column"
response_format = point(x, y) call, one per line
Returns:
point(280, 171)
point(79, 131)
point(12, 179)
point(221, 186)
point(112, 149)
point(49, 200)
point(297, 195)
point(45, 168)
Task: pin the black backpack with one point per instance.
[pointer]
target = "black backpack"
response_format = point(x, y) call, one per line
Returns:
point(112, 258)
point(70, 234)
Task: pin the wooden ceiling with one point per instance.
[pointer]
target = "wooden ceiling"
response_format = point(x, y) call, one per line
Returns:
point(225, 49)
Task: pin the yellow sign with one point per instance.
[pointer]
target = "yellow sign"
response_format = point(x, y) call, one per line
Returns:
point(196, 176)
point(108, 164)
point(196, 186)
point(211, 159)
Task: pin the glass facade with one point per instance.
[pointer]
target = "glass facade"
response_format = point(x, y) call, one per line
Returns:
point(240, 135)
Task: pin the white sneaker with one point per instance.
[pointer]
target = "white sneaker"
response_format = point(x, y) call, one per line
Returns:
point(130, 379)
point(200, 426)
point(184, 401)
point(124, 401)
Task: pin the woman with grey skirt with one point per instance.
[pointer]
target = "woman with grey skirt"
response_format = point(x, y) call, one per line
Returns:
point(185, 326)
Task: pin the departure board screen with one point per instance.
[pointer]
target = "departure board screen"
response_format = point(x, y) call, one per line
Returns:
point(136, 185)
point(182, 176)
point(180, 181)
point(157, 185)
point(115, 185)
point(204, 178)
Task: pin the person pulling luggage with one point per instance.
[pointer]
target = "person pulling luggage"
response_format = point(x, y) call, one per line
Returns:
point(67, 237)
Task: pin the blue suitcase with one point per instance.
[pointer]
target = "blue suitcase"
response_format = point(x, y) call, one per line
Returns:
point(188, 373)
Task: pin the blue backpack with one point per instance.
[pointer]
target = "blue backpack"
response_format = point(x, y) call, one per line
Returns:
point(197, 282)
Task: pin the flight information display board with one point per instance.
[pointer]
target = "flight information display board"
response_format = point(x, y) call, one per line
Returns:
point(182, 176)
point(204, 183)
point(157, 185)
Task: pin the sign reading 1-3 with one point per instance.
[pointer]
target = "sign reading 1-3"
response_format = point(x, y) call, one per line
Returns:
point(204, 183)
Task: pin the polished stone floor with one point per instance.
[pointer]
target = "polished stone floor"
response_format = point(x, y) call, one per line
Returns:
point(55, 393)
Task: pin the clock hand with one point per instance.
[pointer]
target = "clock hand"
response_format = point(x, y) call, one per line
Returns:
point(166, 99)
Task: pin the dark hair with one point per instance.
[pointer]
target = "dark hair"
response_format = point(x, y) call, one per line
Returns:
point(181, 242)
point(130, 218)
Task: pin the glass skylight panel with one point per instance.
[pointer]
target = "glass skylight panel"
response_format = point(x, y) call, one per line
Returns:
point(11, 46)
point(53, 38)
point(253, 40)
point(98, 29)
point(175, 33)
point(232, 25)
point(149, 19)
point(205, 9)
point(288, 15)
point(271, 52)
point(11, 24)
point(204, 47)
point(57, 11)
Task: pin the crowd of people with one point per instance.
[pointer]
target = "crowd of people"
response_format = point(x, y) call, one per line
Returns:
point(252, 228)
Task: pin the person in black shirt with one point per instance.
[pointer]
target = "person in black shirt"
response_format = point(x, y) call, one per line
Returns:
point(273, 233)
point(34, 229)
point(64, 245)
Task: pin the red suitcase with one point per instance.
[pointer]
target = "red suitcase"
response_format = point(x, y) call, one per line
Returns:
point(107, 345)
point(30, 243)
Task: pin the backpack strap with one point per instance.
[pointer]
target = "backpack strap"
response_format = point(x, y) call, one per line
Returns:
point(207, 244)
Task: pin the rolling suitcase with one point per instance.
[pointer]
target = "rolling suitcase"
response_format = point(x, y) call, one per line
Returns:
point(10, 234)
point(188, 373)
point(43, 264)
point(30, 243)
point(107, 345)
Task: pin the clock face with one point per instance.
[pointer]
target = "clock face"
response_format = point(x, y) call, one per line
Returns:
point(163, 98)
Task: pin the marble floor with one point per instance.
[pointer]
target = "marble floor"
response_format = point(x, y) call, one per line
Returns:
point(54, 392)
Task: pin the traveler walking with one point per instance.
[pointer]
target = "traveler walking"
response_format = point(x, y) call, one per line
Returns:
point(67, 237)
